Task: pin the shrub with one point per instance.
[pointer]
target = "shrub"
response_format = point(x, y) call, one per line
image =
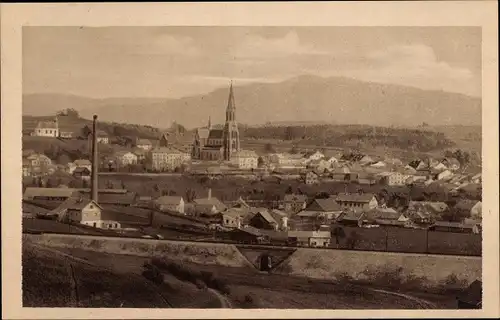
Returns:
point(153, 274)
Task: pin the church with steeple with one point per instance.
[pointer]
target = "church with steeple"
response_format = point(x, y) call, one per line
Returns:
point(218, 144)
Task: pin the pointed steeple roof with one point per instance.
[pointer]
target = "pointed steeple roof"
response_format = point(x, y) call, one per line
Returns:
point(230, 103)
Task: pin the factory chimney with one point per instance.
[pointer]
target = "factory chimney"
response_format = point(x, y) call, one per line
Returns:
point(95, 161)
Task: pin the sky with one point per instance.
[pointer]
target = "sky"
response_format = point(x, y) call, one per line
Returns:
point(172, 62)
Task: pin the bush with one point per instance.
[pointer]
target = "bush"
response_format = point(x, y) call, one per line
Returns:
point(153, 274)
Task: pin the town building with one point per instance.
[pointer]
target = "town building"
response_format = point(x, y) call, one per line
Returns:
point(364, 201)
point(82, 173)
point(125, 158)
point(294, 202)
point(47, 128)
point(287, 160)
point(144, 144)
point(327, 209)
point(165, 158)
point(83, 163)
point(245, 159)
point(170, 203)
point(310, 238)
point(311, 178)
point(209, 205)
point(218, 144)
point(264, 220)
point(51, 194)
point(469, 208)
point(394, 178)
point(163, 141)
point(66, 134)
point(425, 211)
point(102, 137)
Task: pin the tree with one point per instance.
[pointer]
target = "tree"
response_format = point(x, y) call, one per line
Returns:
point(338, 233)
point(260, 162)
point(269, 148)
point(63, 158)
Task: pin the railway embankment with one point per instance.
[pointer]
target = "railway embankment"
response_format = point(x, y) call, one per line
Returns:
point(415, 270)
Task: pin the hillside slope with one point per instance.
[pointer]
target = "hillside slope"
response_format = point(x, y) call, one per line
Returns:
point(308, 98)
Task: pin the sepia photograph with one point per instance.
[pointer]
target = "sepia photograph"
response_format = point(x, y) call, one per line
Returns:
point(252, 167)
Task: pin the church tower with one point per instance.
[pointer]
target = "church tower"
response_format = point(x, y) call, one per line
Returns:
point(231, 134)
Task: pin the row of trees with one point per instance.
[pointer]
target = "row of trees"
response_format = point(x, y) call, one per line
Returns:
point(355, 136)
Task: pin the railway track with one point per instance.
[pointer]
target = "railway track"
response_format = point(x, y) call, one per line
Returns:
point(239, 244)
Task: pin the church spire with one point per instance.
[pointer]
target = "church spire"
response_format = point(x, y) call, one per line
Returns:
point(231, 107)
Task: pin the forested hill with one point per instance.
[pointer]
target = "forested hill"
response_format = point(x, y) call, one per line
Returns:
point(353, 136)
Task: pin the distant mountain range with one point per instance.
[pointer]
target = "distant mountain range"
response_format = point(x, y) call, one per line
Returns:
point(304, 99)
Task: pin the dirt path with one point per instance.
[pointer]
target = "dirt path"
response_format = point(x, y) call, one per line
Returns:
point(224, 302)
point(423, 303)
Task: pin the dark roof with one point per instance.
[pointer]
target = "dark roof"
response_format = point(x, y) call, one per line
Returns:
point(382, 214)
point(295, 198)
point(251, 230)
point(473, 295)
point(166, 200)
point(81, 170)
point(115, 198)
point(465, 204)
point(267, 216)
point(329, 204)
point(352, 215)
point(355, 197)
point(212, 202)
point(427, 206)
point(31, 192)
point(216, 134)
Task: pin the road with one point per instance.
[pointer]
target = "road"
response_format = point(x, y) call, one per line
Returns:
point(224, 302)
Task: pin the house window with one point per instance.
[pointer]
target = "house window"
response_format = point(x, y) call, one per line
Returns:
point(94, 224)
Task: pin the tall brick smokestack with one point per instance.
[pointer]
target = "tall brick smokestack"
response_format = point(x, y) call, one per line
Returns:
point(95, 161)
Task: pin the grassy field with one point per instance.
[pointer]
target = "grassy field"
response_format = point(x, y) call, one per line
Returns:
point(248, 288)
point(89, 279)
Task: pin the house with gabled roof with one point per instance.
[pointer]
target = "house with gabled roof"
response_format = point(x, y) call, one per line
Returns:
point(294, 202)
point(470, 208)
point(328, 209)
point(47, 128)
point(170, 203)
point(144, 144)
point(360, 200)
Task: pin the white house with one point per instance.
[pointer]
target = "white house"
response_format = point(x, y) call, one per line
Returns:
point(315, 156)
point(144, 144)
point(394, 178)
point(84, 211)
point(47, 129)
point(170, 203)
point(79, 163)
point(126, 158)
point(245, 159)
point(444, 175)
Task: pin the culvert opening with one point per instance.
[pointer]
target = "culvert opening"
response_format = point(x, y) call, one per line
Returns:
point(265, 262)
